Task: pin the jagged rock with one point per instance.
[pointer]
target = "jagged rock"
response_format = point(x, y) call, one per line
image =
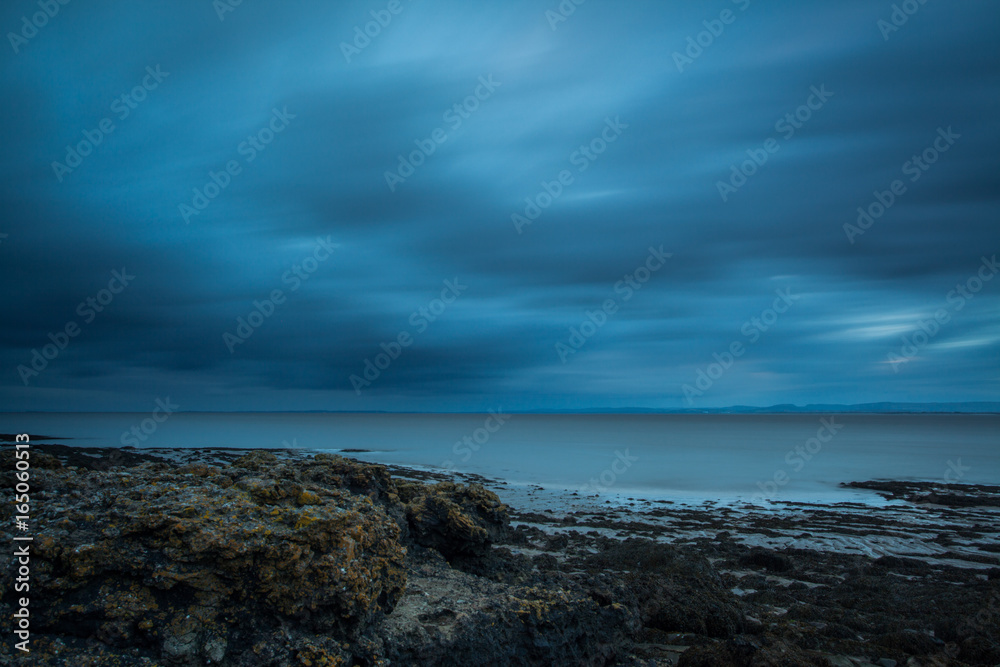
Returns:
point(452, 618)
point(275, 562)
point(199, 564)
point(459, 521)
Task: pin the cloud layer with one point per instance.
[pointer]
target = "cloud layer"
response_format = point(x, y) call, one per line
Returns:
point(532, 160)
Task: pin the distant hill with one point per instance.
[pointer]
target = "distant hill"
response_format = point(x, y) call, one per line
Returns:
point(787, 408)
point(887, 408)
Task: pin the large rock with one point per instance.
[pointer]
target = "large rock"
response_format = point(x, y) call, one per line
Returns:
point(275, 562)
point(451, 618)
point(456, 520)
point(202, 565)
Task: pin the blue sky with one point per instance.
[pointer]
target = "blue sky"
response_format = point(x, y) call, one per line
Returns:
point(482, 204)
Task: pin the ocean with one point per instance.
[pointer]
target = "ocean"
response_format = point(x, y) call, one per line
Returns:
point(795, 457)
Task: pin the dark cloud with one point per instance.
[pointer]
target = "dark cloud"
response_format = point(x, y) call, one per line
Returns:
point(324, 177)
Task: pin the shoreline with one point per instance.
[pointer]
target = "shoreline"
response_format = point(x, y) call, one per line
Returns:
point(838, 527)
point(456, 568)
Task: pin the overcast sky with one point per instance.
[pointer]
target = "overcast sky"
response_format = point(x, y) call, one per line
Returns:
point(628, 130)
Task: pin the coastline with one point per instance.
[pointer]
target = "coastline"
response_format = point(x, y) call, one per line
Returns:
point(534, 576)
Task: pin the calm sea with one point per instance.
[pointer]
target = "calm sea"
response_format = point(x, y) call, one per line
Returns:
point(782, 457)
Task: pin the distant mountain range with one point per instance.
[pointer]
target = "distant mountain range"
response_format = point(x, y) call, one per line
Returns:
point(860, 408)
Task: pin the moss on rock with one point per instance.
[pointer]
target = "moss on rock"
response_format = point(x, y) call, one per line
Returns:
point(198, 564)
point(455, 519)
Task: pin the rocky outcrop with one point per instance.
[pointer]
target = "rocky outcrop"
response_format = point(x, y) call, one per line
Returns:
point(453, 618)
point(949, 495)
point(202, 565)
point(316, 562)
point(458, 521)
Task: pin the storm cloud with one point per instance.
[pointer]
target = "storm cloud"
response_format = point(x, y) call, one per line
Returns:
point(298, 188)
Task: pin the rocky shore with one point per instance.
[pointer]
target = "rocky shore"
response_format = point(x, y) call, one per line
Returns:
point(227, 557)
